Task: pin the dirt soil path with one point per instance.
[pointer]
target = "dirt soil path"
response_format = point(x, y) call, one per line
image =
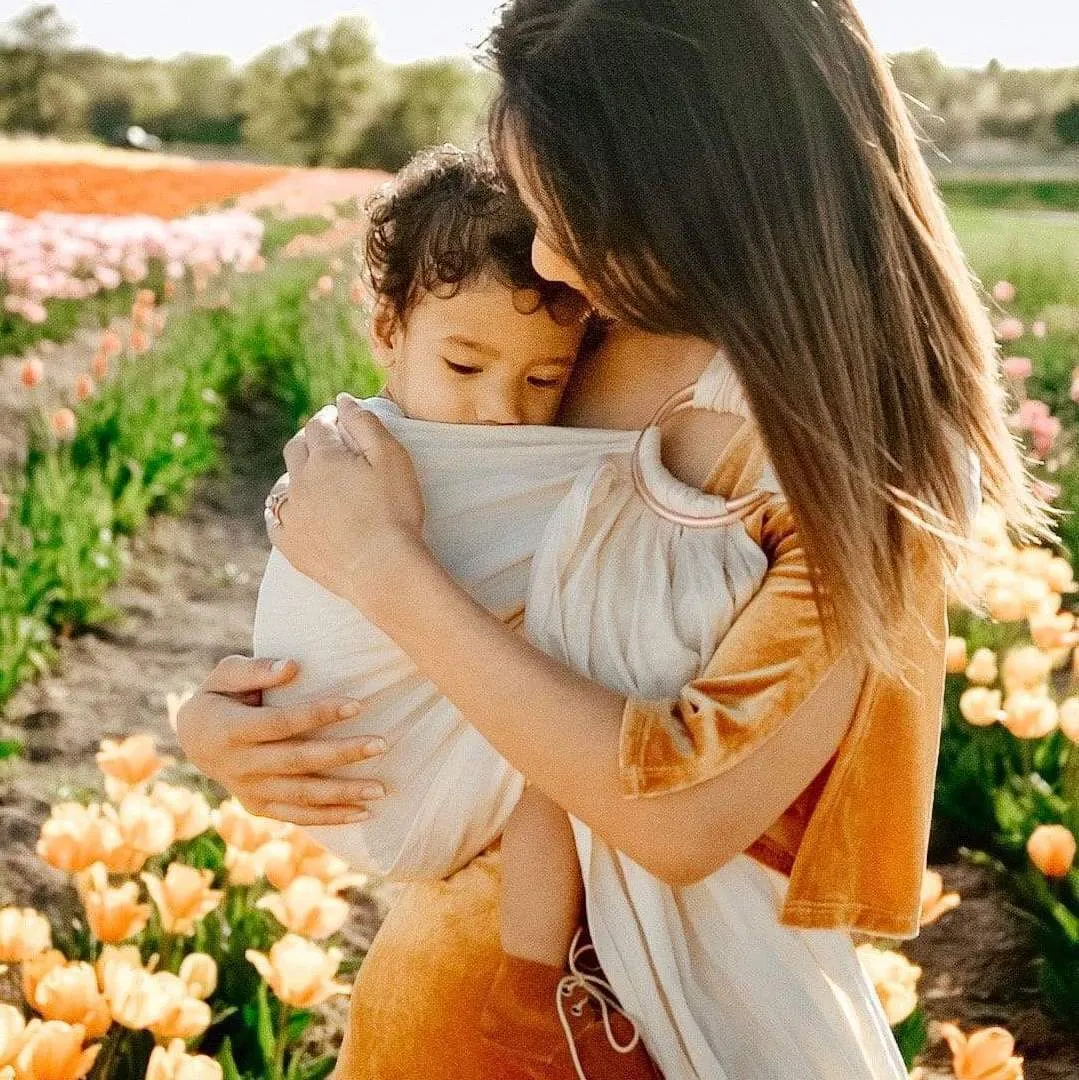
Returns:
point(189, 598)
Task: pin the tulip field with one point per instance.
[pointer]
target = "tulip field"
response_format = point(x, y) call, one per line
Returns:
point(163, 330)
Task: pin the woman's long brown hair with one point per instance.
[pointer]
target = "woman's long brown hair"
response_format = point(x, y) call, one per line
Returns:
point(746, 171)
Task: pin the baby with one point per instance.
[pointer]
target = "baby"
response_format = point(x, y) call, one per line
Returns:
point(468, 334)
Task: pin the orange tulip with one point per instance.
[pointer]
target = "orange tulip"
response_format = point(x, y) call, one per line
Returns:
point(138, 829)
point(24, 934)
point(53, 1050)
point(84, 386)
point(1052, 849)
point(1069, 718)
point(985, 1055)
point(199, 974)
point(182, 897)
point(31, 371)
point(1026, 668)
point(184, 1017)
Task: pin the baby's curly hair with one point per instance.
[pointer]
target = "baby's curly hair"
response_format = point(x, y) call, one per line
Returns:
point(446, 219)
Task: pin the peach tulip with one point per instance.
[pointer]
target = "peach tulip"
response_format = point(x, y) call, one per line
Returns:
point(175, 1063)
point(307, 907)
point(1052, 849)
point(69, 992)
point(133, 761)
point(24, 933)
point(53, 1050)
point(955, 655)
point(1004, 292)
point(182, 897)
point(138, 829)
point(12, 1027)
point(987, 1054)
point(84, 387)
point(299, 972)
point(137, 997)
point(113, 914)
point(1051, 632)
point(894, 978)
point(63, 424)
point(199, 974)
point(1030, 714)
point(1060, 575)
point(980, 706)
point(1005, 605)
point(243, 830)
point(296, 854)
point(1039, 329)
point(982, 669)
point(244, 867)
point(6, 503)
point(935, 902)
point(184, 1016)
point(99, 366)
point(34, 970)
point(1025, 668)
point(1068, 715)
point(189, 809)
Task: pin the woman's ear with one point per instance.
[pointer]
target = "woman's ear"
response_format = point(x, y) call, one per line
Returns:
point(383, 332)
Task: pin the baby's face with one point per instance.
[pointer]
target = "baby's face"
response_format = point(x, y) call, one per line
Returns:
point(475, 359)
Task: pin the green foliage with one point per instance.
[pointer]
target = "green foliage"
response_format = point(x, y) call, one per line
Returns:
point(147, 435)
point(1011, 194)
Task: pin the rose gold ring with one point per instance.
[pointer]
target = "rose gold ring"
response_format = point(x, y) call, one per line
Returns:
point(274, 503)
point(737, 509)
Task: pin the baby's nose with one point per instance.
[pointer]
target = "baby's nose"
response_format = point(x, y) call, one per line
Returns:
point(500, 409)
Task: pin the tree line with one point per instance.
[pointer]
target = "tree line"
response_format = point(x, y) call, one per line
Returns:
point(325, 98)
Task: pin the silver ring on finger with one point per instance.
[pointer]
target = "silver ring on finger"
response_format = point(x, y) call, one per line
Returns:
point(274, 502)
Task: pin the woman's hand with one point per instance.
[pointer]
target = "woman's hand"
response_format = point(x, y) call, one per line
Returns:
point(270, 757)
point(353, 501)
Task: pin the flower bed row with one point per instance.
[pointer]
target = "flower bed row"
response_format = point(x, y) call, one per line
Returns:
point(77, 187)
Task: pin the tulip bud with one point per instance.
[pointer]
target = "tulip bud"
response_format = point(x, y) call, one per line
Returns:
point(1052, 849)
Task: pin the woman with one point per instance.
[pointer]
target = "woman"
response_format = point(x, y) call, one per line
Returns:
point(735, 174)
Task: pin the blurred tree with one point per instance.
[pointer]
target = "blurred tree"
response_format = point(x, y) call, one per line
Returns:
point(31, 62)
point(434, 101)
point(303, 98)
point(1066, 124)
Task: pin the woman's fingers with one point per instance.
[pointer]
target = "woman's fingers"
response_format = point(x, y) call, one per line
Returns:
point(318, 791)
point(270, 724)
point(314, 815)
point(317, 755)
point(238, 674)
point(365, 432)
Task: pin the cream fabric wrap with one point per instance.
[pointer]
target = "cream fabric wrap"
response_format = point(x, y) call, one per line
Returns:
point(547, 518)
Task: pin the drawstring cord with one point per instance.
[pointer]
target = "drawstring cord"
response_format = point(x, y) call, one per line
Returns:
point(601, 991)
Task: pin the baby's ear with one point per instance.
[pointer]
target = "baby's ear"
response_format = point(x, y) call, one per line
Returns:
point(382, 332)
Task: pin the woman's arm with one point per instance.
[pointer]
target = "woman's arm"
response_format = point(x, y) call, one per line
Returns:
point(565, 732)
point(729, 755)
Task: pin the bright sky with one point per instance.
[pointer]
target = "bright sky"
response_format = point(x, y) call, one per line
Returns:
point(1031, 33)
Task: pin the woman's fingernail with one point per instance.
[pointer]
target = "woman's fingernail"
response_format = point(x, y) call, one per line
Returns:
point(353, 708)
point(372, 790)
point(361, 815)
point(278, 665)
point(375, 746)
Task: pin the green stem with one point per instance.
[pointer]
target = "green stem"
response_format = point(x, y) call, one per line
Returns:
point(282, 1042)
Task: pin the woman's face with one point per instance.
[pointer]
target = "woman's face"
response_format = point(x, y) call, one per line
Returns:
point(548, 261)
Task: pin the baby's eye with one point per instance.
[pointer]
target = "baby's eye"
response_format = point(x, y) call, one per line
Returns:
point(546, 384)
point(462, 369)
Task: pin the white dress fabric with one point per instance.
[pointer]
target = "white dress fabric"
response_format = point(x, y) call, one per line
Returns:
point(549, 518)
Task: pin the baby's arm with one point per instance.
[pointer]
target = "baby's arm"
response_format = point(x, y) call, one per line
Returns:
point(542, 892)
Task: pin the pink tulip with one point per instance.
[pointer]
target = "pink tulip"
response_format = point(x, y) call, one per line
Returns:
point(84, 387)
point(1010, 329)
point(1039, 329)
point(1004, 292)
point(1018, 367)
